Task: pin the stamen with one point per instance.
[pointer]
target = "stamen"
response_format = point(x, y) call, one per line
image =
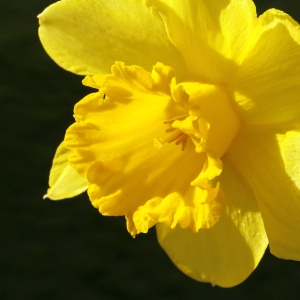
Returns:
point(183, 117)
point(175, 135)
point(170, 129)
point(181, 139)
point(176, 138)
point(184, 142)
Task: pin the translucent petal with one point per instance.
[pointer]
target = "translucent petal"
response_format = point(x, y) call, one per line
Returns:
point(227, 253)
point(213, 36)
point(267, 84)
point(87, 36)
point(64, 180)
point(267, 158)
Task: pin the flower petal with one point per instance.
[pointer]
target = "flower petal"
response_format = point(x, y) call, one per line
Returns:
point(227, 253)
point(267, 84)
point(87, 36)
point(113, 143)
point(268, 160)
point(157, 189)
point(125, 120)
point(212, 36)
point(64, 180)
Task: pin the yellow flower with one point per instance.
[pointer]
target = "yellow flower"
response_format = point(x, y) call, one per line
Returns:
point(199, 129)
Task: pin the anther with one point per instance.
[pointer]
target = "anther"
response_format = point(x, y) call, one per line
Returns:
point(170, 129)
point(176, 138)
point(173, 135)
point(175, 119)
point(182, 140)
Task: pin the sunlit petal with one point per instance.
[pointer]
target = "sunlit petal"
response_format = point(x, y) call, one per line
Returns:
point(267, 83)
point(87, 36)
point(267, 158)
point(227, 253)
point(213, 36)
point(64, 181)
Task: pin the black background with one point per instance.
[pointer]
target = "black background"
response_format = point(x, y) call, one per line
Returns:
point(66, 249)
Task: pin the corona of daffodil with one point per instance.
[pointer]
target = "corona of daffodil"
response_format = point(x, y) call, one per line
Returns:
point(194, 125)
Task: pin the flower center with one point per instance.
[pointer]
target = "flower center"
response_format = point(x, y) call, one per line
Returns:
point(211, 123)
point(172, 135)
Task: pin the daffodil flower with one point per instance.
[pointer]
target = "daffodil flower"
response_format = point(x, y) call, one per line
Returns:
point(193, 126)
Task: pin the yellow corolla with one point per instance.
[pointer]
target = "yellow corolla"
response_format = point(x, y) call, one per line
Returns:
point(194, 127)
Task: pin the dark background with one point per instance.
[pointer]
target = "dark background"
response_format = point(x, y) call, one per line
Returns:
point(66, 249)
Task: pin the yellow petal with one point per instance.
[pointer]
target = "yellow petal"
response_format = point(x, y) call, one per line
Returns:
point(64, 180)
point(127, 119)
point(227, 253)
point(86, 36)
point(267, 84)
point(268, 160)
point(113, 143)
point(196, 208)
point(157, 189)
point(213, 36)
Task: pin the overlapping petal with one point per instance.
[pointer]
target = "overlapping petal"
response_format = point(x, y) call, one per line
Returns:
point(267, 83)
point(267, 158)
point(213, 36)
point(87, 36)
point(64, 181)
point(227, 253)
